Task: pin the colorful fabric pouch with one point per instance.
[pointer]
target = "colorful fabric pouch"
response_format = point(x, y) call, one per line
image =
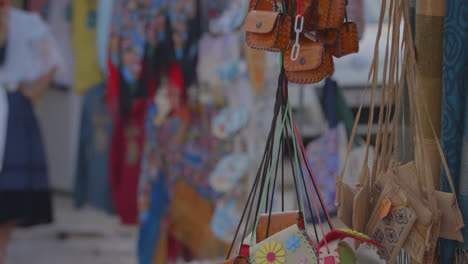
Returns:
point(291, 245)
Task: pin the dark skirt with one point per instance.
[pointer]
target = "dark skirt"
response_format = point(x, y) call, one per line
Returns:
point(25, 196)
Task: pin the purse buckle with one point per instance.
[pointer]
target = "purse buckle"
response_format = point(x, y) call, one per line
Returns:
point(298, 27)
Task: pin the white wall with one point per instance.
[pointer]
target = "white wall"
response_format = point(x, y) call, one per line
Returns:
point(59, 115)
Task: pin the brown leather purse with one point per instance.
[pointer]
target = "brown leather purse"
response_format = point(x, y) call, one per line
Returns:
point(324, 14)
point(314, 63)
point(267, 29)
point(347, 41)
point(278, 222)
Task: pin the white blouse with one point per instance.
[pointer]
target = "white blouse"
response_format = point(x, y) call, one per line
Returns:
point(31, 51)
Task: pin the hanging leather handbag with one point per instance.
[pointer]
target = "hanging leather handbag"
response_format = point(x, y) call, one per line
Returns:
point(347, 41)
point(267, 29)
point(324, 14)
point(269, 225)
point(314, 62)
point(328, 36)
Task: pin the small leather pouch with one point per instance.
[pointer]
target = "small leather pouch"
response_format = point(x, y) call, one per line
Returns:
point(265, 5)
point(451, 217)
point(347, 41)
point(278, 222)
point(324, 14)
point(313, 64)
point(267, 30)
point(328, 36)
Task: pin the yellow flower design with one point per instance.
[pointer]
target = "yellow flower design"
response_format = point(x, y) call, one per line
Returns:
point(270, 253)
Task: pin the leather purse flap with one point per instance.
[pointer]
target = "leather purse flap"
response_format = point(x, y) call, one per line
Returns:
point(278, 222)
point(261, 22)
point(310, 57)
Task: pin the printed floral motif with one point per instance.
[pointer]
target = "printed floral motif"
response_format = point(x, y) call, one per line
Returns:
point(302, 261)
point(378, 236)
point(292, 242)
point(401, 216)
point(388, 219)
point(384, 253)
point(392, 236)
point(270, 253)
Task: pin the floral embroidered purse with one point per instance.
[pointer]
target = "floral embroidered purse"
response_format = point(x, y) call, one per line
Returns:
point(290, 245)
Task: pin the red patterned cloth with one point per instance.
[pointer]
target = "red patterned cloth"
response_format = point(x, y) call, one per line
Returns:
point(125, 159)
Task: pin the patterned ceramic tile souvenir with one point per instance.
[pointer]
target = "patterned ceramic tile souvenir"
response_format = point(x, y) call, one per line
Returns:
point(225, 219)
point(229, 171)
point(290, 246)
point(229, 121)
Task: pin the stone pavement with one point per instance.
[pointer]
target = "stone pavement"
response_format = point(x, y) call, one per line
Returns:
point(77, 236)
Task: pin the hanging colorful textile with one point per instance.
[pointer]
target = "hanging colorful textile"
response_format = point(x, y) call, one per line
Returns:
point(455, 82)
point(138, 48)
point(125, 160)
point(193, 199)
point(40, 6)
point(87, 71)
point(463, 188)
point(92, 174)
point(185, 23)
point(104, 21)
point(153, 197)
point(324, 154)
point(180, 153)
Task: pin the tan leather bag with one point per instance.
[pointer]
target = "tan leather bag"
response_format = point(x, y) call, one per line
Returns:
point(392, 228)
point(278, 222)
point(347, 41)
point(314, 62)
point(451, 217)
point(267, 29)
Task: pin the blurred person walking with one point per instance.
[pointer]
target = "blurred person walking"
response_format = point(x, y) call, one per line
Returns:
point(28, 62)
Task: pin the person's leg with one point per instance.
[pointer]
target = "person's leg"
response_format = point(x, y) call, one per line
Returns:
point(5, 234)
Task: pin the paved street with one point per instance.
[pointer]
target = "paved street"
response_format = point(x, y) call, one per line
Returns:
point(83, 236)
